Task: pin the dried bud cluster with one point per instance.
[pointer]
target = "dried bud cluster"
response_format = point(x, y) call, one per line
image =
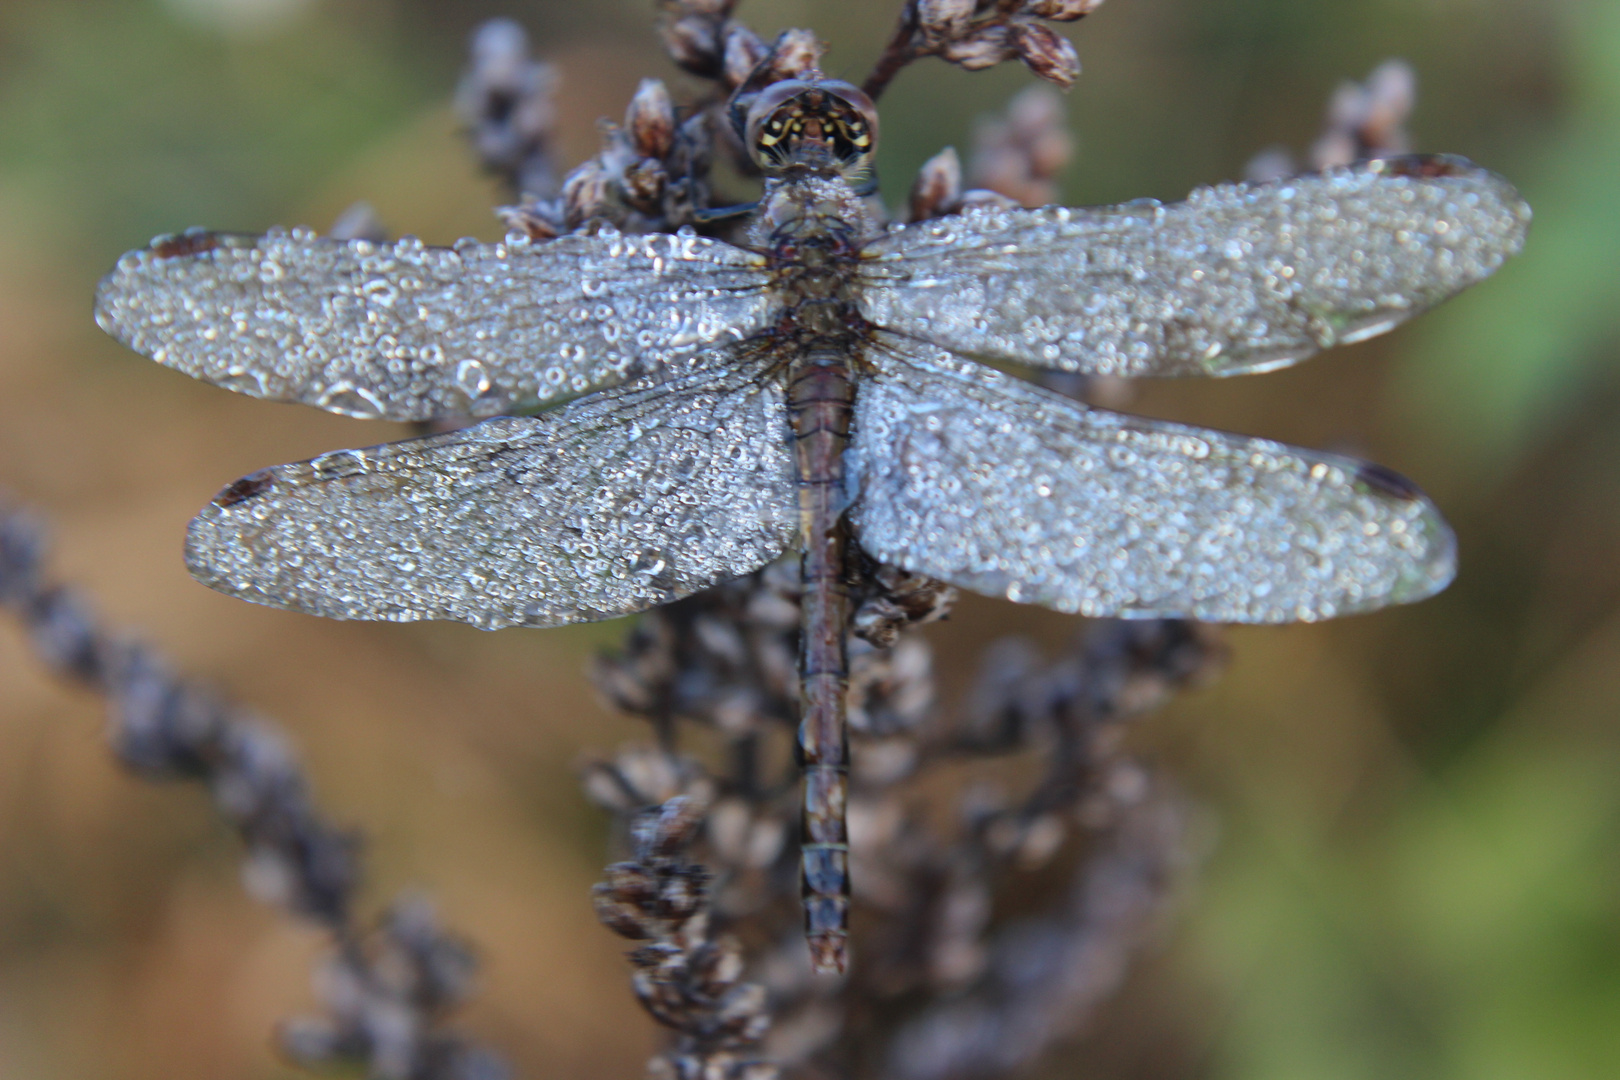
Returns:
point(977, 34)
point(702, 37)
point(1364, 120)
point(943, 21)
point(1046, 53)
point(1019, 154)
point(382, 994)
point(897, 600)
point(695, 34)
point(505, 104)
point(937, 191)
point(651, 174)
point(653, 171)
point(687, 979)
point(726, 658)
point(796, 55)
point(1001, 992)
point(1096, 831)
point(388, 993)
point(359, 222)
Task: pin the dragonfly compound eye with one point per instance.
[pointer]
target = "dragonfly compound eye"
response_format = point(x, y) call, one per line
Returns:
point(824, 124)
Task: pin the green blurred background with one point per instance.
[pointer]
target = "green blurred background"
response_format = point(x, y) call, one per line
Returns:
point(1415, 815)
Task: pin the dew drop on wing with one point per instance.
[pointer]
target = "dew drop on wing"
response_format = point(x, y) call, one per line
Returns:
point(472, 379)
point(250, 486)
point(338, 464)
point(354, 401)
point(243, 381)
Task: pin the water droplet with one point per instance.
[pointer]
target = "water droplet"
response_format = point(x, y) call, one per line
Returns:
point(472, 379)
point(244, 381)
point(649, 563)
point(338, 463)
point(351, 400)
point(380, 291)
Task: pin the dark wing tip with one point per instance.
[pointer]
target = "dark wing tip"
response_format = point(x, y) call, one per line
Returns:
point(1454, 167)
point(190, 242)
point(118, 291)
point(1434, 561)
point(1386, 481)
point(1425, 166)
point(249, 487)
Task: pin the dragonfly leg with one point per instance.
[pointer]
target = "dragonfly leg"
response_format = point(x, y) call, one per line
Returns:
point(705, 215)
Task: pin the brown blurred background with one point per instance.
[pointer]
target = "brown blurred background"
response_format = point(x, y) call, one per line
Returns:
point(1414, 816)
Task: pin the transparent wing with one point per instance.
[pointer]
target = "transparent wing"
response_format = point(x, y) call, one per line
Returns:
point(989, 483)
point(1239, 278)
point(620, 501)
point(409, 332)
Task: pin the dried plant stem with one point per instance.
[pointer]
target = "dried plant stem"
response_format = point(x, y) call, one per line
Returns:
point(388, 991)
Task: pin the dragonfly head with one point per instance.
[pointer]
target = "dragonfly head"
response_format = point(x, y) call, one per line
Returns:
point(820, 124)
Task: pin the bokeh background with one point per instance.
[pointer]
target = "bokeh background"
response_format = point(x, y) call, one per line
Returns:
point(1414, 816)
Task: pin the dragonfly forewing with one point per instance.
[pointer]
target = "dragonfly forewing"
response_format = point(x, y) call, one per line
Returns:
point(1238, 278)
point(992, 484)
point(405, 331)
point(629, 498)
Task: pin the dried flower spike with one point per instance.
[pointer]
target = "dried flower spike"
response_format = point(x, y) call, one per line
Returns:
point(387, 993)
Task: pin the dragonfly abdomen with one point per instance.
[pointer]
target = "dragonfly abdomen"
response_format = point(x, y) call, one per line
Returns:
point(821, 401)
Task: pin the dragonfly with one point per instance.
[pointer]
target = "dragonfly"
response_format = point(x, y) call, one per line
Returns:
point(664, 412)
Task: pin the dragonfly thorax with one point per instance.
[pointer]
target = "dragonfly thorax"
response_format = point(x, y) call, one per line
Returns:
point(812, 228)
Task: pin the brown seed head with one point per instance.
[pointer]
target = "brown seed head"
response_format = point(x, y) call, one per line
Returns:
point(744, 51)
point(1048, 54)
point(943, 20)
point(1391, 95)
point(1062, 10)
point(938, 188)
point(983, 48)
point(644, 184)
point(797, 55)
point(650, 119)
point(693, 42)
point(585, 193)
point(538, 221)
